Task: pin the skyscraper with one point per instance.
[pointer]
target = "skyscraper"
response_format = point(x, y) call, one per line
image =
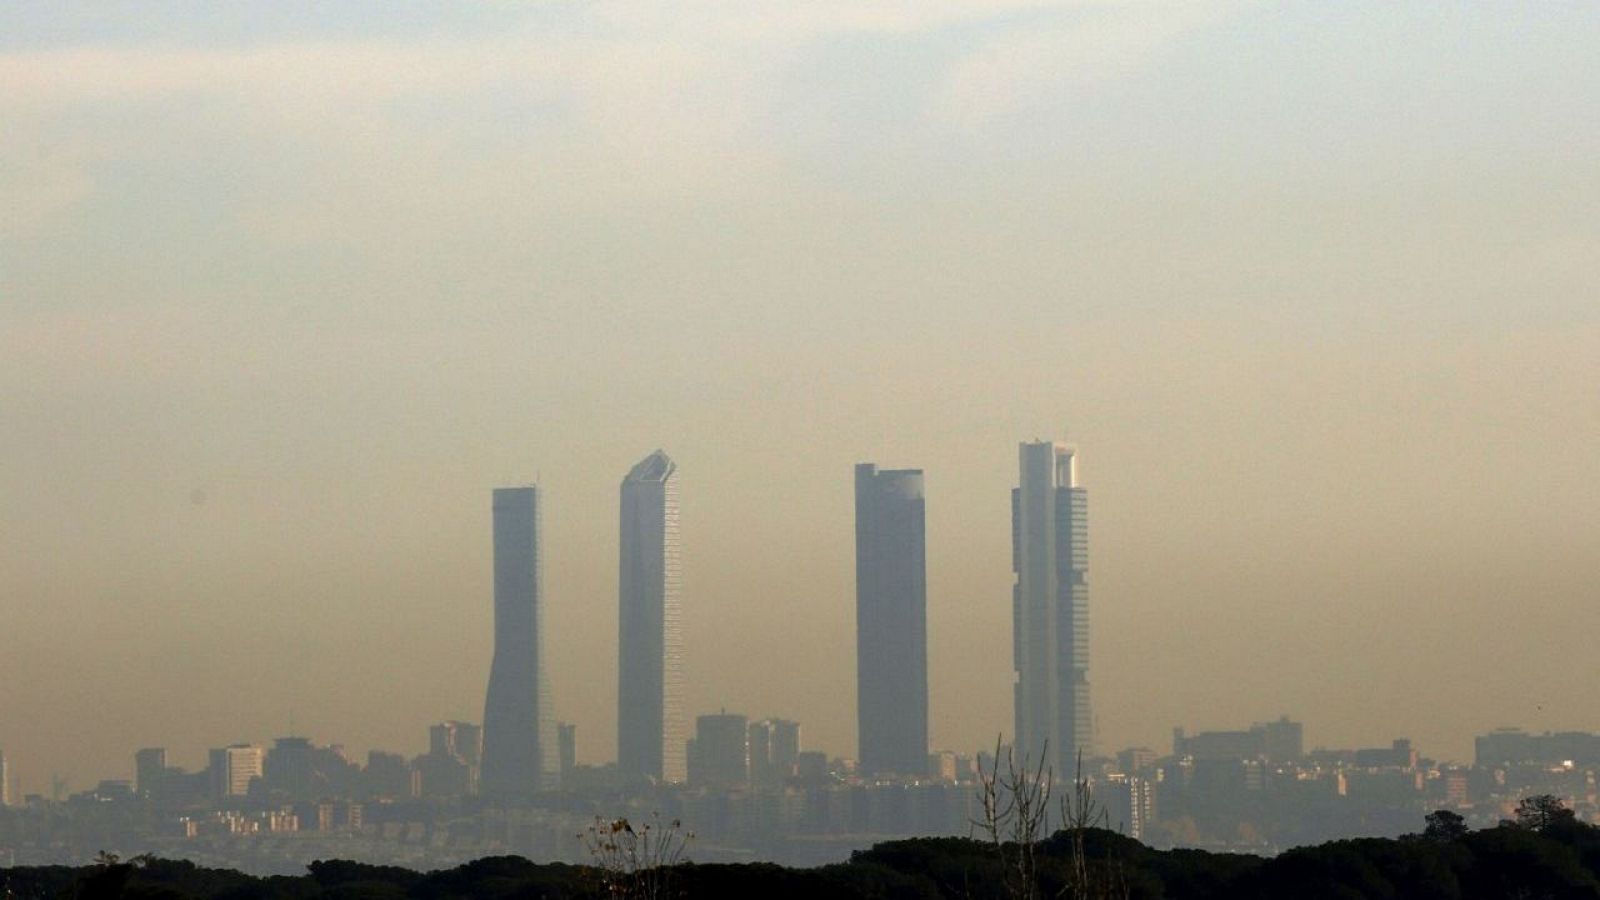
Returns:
point(650, 725)
point(519, 741)
point(5, 781)
point(891, 621)
point(1050, 607)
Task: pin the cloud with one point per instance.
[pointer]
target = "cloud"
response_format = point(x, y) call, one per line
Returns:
point(626, 97)
point(1024, 69)
point(637, 50)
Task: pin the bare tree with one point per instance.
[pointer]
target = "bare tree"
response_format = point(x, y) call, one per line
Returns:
point(1015, 816)
point(1081, 812)
point(636, 863)
point(1015, 799)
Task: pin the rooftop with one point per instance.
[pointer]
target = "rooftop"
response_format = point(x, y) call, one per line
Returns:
point(658, 466)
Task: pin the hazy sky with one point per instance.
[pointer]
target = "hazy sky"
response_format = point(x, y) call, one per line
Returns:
point(286, 290)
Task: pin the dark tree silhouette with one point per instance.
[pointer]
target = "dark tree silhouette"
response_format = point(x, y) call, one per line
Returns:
point(1543, 813)
point(1445, 826)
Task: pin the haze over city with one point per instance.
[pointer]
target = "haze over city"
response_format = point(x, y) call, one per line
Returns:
point(285, 293)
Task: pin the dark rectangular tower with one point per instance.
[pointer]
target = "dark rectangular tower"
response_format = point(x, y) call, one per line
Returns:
point(891, 621)
point(519, 740)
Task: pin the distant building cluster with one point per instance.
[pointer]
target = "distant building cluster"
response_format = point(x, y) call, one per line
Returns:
point(1050, 617)
point(1260, 789)
point(751, 789)
point(521, 751)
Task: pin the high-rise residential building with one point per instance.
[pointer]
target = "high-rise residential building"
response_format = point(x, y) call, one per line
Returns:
point(519, 739)
point(891, 621)
point(167, 785)
point(785, 746)
point(1050, 607)
point(290, 768)
point(5, 781)
point(389, 776)
point(1136, 760)
point(1130, 804)
point(234, 768)
point(774, 745)
point(650, 720)
point(462, 740)
point(450, 767)
point(568, 734)
point(760, 744)
point(149, 770)
point(721, 751)
point(1283, 740)
point(469, 742)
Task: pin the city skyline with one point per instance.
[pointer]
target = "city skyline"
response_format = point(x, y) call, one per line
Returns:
point(649, 520)
point(286, 292)
point(755, 792)
point(273, 810)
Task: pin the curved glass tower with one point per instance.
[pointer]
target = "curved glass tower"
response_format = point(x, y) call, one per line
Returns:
point(650, 723)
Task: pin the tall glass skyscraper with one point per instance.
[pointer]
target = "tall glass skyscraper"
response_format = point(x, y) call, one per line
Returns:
point(651, 731)
point(891, 621)
point(1050, 607)
point(519, 737)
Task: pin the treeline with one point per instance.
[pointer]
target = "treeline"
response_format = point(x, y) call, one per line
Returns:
point(1543, 853)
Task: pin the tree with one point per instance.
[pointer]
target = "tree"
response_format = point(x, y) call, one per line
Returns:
point(1015, 805)
point(1543, 813)
point(636, 862)
point(1445, 826)
point(1080, 813)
